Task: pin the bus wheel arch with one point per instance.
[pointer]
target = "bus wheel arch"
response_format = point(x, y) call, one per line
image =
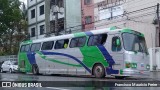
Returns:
point(35, 69)
point(98, 70)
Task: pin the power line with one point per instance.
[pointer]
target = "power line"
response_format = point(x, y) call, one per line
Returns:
point(125, 14)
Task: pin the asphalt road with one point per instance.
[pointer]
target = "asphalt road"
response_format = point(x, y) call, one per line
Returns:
point(154, 76)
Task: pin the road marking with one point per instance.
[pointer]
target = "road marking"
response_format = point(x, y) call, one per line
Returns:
point(57, 88)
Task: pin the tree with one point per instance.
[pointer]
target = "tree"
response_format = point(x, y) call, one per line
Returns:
point(13, 26)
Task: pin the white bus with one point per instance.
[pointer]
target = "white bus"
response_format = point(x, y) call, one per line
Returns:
point(118, 52)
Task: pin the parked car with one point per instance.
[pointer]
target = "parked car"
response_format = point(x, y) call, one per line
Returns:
point(9, 66)
point(1, 64)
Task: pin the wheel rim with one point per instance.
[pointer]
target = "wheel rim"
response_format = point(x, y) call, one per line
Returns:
point(34, 71)
point(10, 70)
point(98, 71)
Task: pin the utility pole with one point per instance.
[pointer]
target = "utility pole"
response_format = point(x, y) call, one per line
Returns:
point(158, 22)
point(47, 17)
point(56, 18)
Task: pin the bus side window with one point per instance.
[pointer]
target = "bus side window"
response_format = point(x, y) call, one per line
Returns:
point(116, 44)
point(61, 44)
point(78, 42)
point(35, 47)
point(47, 45)
point(97, 40)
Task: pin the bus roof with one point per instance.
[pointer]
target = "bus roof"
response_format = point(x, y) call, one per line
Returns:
point(99, 31)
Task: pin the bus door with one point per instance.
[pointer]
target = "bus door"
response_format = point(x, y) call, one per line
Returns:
point(116, 51)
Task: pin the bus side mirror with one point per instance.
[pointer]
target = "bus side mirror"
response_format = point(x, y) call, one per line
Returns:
point(118, 42)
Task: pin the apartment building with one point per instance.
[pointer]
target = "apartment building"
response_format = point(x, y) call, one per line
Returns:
point(47, 16)
point(36, 18)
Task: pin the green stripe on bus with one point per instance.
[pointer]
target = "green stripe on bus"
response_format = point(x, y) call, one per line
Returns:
point(23, 57)
point(91, 54)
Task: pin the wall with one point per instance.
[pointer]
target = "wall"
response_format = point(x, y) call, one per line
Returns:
point(140, 21)
point(87, 10)
point(73, 15)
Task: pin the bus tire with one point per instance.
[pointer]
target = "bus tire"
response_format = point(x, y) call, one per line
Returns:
point(10, 70)
point(35, 69)
point(99, 71)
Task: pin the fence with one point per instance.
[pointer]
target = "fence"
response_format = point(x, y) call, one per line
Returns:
point(10, 57)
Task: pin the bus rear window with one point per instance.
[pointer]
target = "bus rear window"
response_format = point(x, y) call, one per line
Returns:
point(22, 48)
point(25, 48)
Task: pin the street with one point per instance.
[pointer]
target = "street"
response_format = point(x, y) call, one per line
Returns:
point(154, 76)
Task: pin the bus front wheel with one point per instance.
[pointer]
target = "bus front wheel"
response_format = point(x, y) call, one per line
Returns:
point(99, 71)
point(35, 69)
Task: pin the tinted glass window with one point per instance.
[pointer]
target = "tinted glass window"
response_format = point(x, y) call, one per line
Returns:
point(41, 8)
point(47, 45)
point(33, 13)
point(78, 42)
point(33, 32)
point(22, 48)
point(35, 47)
point(60, 44)
point(14, 63)
point(97, 39)
point(27, 47)
point(114, 45)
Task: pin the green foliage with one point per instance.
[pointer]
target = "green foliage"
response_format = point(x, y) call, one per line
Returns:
point(13, 26)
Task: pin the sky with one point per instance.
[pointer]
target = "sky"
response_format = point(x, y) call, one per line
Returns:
point(25, 1)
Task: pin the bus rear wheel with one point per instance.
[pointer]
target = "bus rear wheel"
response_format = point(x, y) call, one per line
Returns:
point(99, 71)
point(35, 69)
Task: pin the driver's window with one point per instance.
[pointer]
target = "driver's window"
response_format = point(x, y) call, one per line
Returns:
point(115, 46)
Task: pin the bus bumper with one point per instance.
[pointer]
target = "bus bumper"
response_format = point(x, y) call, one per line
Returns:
point(130, 72)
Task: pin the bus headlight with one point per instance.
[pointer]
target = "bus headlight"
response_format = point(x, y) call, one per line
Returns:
point(131, 65)
point(128, 65)
point(134, 65)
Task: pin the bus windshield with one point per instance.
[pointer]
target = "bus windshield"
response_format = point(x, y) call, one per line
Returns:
point(133, 42)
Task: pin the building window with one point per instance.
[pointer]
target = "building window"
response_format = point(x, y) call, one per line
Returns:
point(33, 13)
point(60, 3)
point(87, 2)
point(88, 19)
point(41, 29)
point(41, 10)
point(33, 32)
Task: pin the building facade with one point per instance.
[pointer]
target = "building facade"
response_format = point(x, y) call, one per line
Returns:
point(87, 12)
point(83, 15)
point(36, 18)
point(52, 17)
point(138, 15)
